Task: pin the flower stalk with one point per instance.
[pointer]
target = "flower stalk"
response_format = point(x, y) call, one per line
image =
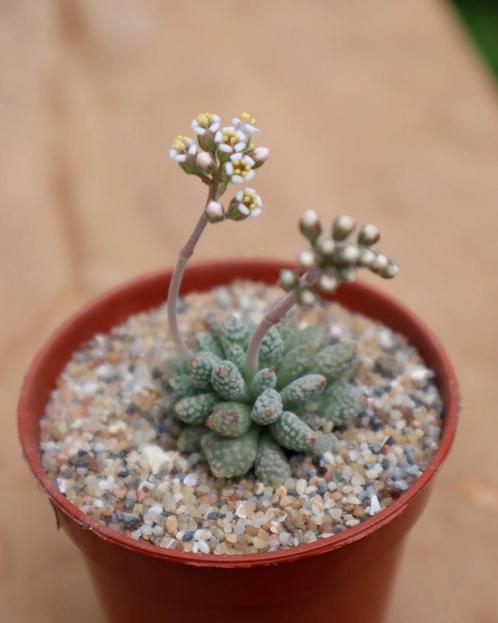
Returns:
point(273, 315)
point(219, 157)
point(176, 279)
point(325, 264)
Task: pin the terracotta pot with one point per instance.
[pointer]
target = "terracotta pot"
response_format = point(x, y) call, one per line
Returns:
point(344, 578)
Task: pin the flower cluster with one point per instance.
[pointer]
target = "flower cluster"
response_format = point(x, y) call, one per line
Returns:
point(220, 156)
point(335, 258)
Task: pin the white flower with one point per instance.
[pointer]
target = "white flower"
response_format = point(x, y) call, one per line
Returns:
point(249, 203)
point(246, 123)
point(206, 122)
point(230, 140)
point(182, 148)
point(240, 168)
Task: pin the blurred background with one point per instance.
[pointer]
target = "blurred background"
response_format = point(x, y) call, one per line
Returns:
point(384, 110)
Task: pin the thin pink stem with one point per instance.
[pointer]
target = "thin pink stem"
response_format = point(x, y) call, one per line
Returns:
point(176, 279)
point(273, 315)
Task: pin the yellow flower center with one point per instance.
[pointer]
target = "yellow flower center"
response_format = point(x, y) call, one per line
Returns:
point(248, 118)
point(181, 143)
point(205, 119)
point(249, 200)
point(240, 168)
point(230, 137)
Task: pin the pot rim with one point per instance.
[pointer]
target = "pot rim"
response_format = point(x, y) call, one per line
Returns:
point(445, 378)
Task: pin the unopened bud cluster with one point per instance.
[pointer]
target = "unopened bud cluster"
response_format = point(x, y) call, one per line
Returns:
point(335, 257)
point(221, 155)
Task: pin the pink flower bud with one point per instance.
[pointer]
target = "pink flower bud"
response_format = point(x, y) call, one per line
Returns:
point(204, 160)
point(260, 154)
point(214, 212)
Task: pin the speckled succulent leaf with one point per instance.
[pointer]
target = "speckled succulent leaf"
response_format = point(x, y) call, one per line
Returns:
point(182, 385)
point(289, 330)
point(322, 443)
point(341, 403)
point(290, 432)
point(264, 379)
point(195, 409)
point(229, 457)
point(235, 330)
point(271, 349)
point(334, 362)
point(313, 335)
point(190, 438)
point(168, 403)
point(271, 465)
point(230, 419)
point(202, 367)
point(228, 382)
point(237, 355)
point(177, 365)
point(307, 387)
point(207, 342)
point(294, 364)
point(267, 407)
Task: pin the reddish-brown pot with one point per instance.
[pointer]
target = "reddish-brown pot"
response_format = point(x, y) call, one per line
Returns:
point(344, 578)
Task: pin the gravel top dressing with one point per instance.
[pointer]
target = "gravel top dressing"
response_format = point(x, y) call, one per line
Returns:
point(111, 452)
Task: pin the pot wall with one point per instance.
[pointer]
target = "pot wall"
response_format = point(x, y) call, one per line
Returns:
point(347, 577)
point(350, 584)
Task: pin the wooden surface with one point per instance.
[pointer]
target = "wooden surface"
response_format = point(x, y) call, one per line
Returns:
point(378, 109)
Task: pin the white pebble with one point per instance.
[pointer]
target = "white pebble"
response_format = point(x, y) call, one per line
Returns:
point(155, 456)
point(420, 375)
point(374, 505)
point(203, 547)
point(241, 511)
point(191, 479)
point(301, 486)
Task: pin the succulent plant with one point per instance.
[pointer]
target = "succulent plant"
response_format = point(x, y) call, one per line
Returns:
point(249, 395)
point(241, 423)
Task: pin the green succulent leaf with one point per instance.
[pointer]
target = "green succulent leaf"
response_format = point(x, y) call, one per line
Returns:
point(341, 403)
point(177, 365)
point(228, 382)
point(334, 362)
point(206, 341)
point(292, 433)
point(234, 331)
point(264, 379)
point(195, 409)
point(304, 388)
point(229, 457)
point(267, 407)
point(294, 364)
point(230, 419)
point(182, 385)
point(271, 349)
point(190, 438)
point(271, 465)
point(203, 364)
point(237, 355)
point(313, 336)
